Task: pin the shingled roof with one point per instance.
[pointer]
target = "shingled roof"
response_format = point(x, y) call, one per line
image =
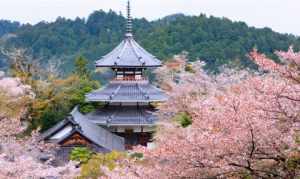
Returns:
point(127, 92)
point(88, 129)
point(128, 54)
point(124, 116)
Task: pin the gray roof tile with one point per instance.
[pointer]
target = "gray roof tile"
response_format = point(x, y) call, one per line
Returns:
point(98, 135)
point(127, 92)
point(128, 54)
point(124, 115)
point(54, 129)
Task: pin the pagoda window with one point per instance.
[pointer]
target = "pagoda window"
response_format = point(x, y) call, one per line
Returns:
point(120, 76)
point(129, 74)
point(138, 77)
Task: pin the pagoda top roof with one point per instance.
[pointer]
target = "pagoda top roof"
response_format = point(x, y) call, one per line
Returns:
point(128, 53)
point(127, 92)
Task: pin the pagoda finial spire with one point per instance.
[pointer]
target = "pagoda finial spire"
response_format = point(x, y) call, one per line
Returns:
point(129, 21)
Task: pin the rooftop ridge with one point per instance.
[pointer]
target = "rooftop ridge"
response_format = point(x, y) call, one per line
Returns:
point(121, 53)
point(115, 92)
point(143, 92)
point(137, 54)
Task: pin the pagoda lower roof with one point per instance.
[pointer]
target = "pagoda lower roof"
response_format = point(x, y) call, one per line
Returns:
point(127, 92)
point(123, 116)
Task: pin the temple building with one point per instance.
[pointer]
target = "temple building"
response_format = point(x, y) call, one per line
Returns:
point(128, 117)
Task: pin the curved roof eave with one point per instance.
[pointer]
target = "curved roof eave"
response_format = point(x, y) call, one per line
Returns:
point(129, 54)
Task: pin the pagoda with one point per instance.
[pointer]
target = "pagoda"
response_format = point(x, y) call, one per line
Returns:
point(128, 117)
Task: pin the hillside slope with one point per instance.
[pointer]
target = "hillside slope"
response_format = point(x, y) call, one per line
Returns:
point(217, 41)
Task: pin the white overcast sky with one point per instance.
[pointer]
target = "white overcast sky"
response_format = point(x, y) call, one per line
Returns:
point(280, 15)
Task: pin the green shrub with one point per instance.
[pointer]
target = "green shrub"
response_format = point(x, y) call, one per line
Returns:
point(137, 155)
point(298, 139)
point(189, 68)
point(92, 169)
point(81, 154)
point(293, 162)
point(184, 119)
point(87, 108)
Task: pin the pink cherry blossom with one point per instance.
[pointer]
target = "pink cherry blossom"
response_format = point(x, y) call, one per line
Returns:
point(19, 156)
point(243, 124)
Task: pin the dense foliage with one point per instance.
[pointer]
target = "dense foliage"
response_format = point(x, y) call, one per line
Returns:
point(217, 41)
point(8, 27)
point(81, 154)
point(19, 157)
point(55, 96)
point(7, 30)
point(99, 164)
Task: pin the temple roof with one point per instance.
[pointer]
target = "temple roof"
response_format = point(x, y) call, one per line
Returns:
point(88, 129)
point(123, 116)
point(127, 92)
point(128, 53)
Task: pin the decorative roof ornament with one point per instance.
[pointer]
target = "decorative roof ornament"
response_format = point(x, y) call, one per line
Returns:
point(129, 21)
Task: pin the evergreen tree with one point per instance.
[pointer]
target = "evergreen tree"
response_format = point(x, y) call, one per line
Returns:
point(81, 68)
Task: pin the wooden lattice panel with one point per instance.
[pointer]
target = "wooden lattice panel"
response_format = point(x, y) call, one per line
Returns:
point(76, 139)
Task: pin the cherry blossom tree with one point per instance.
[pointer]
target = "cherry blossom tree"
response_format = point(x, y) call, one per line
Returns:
point(27, 167)
point(244, 124)
point(13, 99)
point(19, 157)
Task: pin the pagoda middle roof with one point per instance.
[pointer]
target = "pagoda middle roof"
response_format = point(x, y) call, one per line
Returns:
point(127, 92)
point(124, 116)
point(128, 54)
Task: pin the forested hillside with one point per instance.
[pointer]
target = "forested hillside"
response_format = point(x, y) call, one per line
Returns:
point(6, 30)
point(217, 41)
point(8, 27)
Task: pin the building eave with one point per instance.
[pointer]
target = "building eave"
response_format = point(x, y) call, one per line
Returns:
point(130, 125)
point(127, 92)
point(127, 66)
point(124, 101)
point(56, 128)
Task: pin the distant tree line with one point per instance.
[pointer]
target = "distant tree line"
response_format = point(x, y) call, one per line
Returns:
point(7, 26)
point(217, 41)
